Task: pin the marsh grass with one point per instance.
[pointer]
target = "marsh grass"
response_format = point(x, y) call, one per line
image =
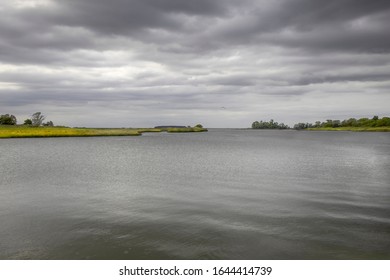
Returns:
point(186, 129)
point(153, 130)
point(351, 128)
point(12, 131)
point(26, 132)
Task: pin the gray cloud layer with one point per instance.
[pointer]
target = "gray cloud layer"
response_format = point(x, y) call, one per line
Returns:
point(145, 62)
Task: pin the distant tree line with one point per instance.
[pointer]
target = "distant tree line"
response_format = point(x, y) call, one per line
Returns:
point(269, 125)
point(177, 126)
point(35, 120)
point(352, 122)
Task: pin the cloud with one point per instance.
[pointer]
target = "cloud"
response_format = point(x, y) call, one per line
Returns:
point(150, 60)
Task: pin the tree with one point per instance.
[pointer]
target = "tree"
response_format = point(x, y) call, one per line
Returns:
point(300, 126)
point(269, 125)
point(8, 119)
point(351, 122)
point(199, 125)
point(329, 123)
point(385, 121)
point(282, 126)
point(27, 122)
point(336, 123)
point(49, 123)
point(363, 122)
point(37, 119)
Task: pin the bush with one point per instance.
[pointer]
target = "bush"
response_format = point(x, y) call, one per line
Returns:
point(8, 119)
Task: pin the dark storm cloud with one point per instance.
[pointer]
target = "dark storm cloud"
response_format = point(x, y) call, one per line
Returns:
point(124, 16)
point(361, 77)
point(311, 25)
point(198, 26)
point(308, 14)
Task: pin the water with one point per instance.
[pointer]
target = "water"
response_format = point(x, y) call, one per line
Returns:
point(225, 194)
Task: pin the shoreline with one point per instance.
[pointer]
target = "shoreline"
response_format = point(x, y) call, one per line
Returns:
point(7, 132)
point(353, 129)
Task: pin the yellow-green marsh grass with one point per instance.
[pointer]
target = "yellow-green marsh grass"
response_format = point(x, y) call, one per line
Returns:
point(11, 131)
point(26, 132)
point(142, 130)
point(186, 129)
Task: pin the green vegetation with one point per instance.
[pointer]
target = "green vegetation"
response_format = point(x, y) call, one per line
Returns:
point(269, 125)
point(23, 131)
point(27, 122)
point(35, 127)
point(352, 124)
point(172, 129)
point(142, 130)
point(30, 131)
point(351, 128)
point(186, 129)
point(35, 120)
point(8, 119)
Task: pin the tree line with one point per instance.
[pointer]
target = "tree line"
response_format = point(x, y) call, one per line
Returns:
point(352, 122)
point(269, 125)
point(37, 119)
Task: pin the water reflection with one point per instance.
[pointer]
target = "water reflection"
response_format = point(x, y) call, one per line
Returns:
point(226, 194)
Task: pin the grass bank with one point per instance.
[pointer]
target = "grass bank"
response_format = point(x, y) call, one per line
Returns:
point(186, 129)
point(11, 131)
point(351, 128)
point(26, 132)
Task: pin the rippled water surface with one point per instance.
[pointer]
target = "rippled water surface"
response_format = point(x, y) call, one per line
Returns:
point(224, 194)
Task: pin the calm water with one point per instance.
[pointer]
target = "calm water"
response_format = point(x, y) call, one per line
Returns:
point(225, 194)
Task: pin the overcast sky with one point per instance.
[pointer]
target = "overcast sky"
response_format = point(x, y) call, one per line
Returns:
point(222, 63)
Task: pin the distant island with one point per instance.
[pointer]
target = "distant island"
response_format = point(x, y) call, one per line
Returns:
point(36, 127)
point(352, 124)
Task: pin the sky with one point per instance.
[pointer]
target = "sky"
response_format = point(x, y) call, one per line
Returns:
point(221, 63)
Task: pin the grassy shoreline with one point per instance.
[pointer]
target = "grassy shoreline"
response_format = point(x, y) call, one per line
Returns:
point(39, 132)
point(351, 128)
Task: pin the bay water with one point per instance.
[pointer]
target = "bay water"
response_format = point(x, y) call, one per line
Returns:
point(223, 194)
